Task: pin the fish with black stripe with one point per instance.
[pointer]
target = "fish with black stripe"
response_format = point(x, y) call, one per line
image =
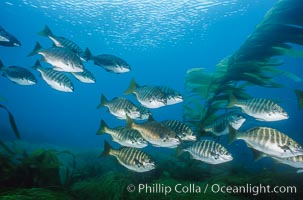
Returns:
point(120, 107)
point(259, 108)
point(124, 136)
point(63, 42)
point(62, 59)
point(85, 76)
point(57, 80)
point(268, 141)
point(148, 96)
point(220, 126)
point(183, 131)
point(294, 161)
point(208, 151)
point(19, 75)
point(131, 158)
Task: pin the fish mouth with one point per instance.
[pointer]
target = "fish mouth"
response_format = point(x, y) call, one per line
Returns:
point(190, 138)
point(228, 157)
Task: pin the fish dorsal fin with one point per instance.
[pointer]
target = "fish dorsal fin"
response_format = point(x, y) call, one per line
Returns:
point(46, 32)
point(299, 95)
point(129, 122)
point(150, 118)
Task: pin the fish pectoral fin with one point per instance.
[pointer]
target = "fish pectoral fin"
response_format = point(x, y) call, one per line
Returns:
point(257, 155)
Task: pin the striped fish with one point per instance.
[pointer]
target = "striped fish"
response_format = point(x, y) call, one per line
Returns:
point(19, 75)
point(155, 133)
point(85, 76)
point(221, 125)
point(108, 62)
point(261, 109)
point(269, 141)
point(124, 136)
point(209, 151)
point(55, 79)
point(148, 96)
point(62, 59)
point(295, 161)
point(63, 42)
point(183, 131)
point(131, 158)
point(120, 107)
point(144, 112)
point(172, 95)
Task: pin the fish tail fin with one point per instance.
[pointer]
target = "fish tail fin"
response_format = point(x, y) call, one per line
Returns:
point(180, 149)
point(299, 95)
point(1, 65)
point(232, 134)
point(232, 101)
point(107, 149)
point(129, 122)
point(37, 65)
point(35, 50)
point(46, 32)
point(103, 127)
point(132, 86)
point(102, 102)
point(87, 54)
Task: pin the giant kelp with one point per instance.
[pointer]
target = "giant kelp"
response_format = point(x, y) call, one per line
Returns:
point(255, 63)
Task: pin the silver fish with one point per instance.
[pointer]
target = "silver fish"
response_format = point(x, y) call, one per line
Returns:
point(209, 151)
point(155, 133)
point(7, 39)
point(62, 42)
point(85, 76)
point(172, 95)
point(261, 109)
point(269, 141)
point(295, 161)
point(183, 131)
point(148, 96)
point(144, 112)
point(55, 79)
point(124, 136)
point(110, 63)
point(120, 107)
point(19, 75)
point(62, 59)
point(131, 158)
point(221, 125)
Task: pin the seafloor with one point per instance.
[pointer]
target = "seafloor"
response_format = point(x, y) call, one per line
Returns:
point(53, 173)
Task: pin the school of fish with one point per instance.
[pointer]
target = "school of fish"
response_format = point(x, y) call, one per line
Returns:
point(65, 60)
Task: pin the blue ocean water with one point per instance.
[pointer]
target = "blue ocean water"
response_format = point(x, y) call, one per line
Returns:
point(161, 40)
